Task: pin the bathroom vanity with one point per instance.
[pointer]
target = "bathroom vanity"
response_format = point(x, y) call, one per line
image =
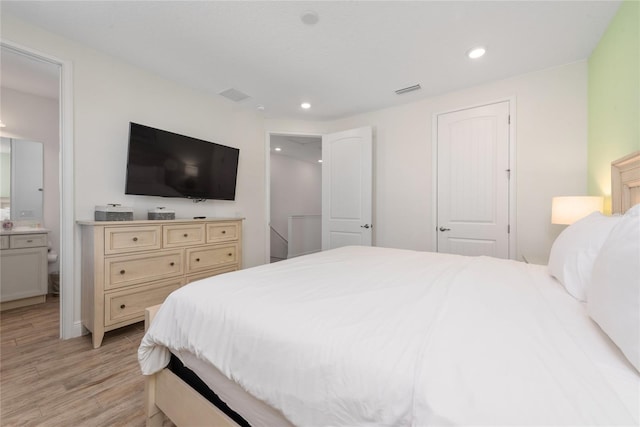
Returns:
point(23, 267)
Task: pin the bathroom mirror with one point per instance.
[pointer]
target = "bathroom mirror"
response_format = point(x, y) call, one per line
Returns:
point(21, 181)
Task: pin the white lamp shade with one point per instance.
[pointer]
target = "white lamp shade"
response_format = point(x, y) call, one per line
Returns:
point(567, 210)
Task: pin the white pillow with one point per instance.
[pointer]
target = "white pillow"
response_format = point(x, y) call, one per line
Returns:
point(614, 291)
point(575, 250)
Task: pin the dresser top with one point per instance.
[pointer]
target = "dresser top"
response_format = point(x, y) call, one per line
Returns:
point(24, 230)
point(159, 221)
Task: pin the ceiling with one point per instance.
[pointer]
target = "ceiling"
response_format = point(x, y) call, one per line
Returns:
point(351, 61)
point(305, 148)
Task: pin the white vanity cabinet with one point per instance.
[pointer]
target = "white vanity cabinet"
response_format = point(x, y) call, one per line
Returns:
point(23, 268)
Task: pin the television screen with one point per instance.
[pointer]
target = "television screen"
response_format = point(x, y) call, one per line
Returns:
point(166, 164)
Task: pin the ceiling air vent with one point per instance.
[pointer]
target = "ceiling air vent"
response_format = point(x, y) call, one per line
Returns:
point(234, 95)
point(407, 89)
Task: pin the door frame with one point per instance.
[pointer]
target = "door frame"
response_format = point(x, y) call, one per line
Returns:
point(69, 270)
point(512, 166)
point(267, 169)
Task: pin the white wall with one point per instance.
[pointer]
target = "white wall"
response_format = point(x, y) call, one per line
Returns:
point(35, 118)
point(551, 151)
point(107, 94)
point(295, 190)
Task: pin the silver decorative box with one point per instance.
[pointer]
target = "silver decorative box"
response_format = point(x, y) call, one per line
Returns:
point(161, 213)
point(113, 212)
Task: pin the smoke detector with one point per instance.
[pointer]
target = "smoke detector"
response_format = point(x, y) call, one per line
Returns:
point(309, 17)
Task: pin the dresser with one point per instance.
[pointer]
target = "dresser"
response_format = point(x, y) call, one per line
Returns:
point(130, 265)
point(23, 268)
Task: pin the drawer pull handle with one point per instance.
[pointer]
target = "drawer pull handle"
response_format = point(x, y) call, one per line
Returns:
point(172, 264)
point(122, 306)
point(29, 241)
point(197, 259)
point(135, 239)
point(121, 271)
point(230, 254)
point(186, 235)
point(224, 231)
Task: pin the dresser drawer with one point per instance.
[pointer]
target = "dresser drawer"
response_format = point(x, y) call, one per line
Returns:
point(128, 305)
point(182, 235)
point(128, 266)
point(4, 242)
point(211, 257)
point(131, 239)
point(222, 232)
point(211, 273)
point(27, 241)
point(133, 269)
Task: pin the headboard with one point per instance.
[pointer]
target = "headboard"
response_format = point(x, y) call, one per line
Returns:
point(625, 182)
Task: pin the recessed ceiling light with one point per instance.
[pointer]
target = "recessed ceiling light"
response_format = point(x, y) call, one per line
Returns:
point(260, 107)
point(278, 149)
point(320, 161)
point(476, 52)
point(305, 105)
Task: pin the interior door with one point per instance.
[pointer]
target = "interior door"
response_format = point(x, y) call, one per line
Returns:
point(347, 188)
point(473, 181)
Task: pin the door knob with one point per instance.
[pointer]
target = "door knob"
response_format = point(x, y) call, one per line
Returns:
point(444, 229)
point(365, 226)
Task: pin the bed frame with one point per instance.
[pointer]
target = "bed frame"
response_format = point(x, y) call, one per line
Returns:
point(167, 395)
point(625, 182)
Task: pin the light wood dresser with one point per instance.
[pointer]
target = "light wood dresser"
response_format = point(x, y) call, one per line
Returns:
point(23, 268)
point(130, 265)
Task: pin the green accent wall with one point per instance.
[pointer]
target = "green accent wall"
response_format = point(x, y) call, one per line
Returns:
point(614, 98)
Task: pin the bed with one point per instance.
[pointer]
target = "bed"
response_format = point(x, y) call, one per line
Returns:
point(376, 336)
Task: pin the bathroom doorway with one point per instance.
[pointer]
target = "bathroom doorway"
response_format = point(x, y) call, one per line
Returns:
point(31, 107)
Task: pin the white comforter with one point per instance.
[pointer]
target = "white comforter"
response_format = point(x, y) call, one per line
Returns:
point(363, 336)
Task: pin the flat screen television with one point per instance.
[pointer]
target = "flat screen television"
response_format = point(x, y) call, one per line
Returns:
point(167, 164)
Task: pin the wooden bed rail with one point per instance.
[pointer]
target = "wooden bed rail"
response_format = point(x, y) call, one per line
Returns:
point(155, 417)
point(167, 395)
point(149, 314)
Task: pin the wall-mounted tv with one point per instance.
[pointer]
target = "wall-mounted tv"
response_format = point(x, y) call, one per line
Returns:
point(167, 164)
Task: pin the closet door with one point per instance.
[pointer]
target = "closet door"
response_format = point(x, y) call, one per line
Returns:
point(473, 181)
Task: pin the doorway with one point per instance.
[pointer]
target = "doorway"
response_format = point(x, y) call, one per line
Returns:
point(295, 198)
point(33, 82)
point(343, 198)
point(474, 181)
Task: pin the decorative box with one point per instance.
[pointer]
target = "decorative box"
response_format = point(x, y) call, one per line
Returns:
point(113, 212)
point(161, 213)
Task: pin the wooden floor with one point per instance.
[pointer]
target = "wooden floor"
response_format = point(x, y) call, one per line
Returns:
point(45, 381)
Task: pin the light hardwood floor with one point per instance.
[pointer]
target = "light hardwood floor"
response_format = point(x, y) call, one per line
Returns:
point(45, 381)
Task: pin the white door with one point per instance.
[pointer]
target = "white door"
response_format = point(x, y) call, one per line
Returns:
point(347, 183)
point(473, 181)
